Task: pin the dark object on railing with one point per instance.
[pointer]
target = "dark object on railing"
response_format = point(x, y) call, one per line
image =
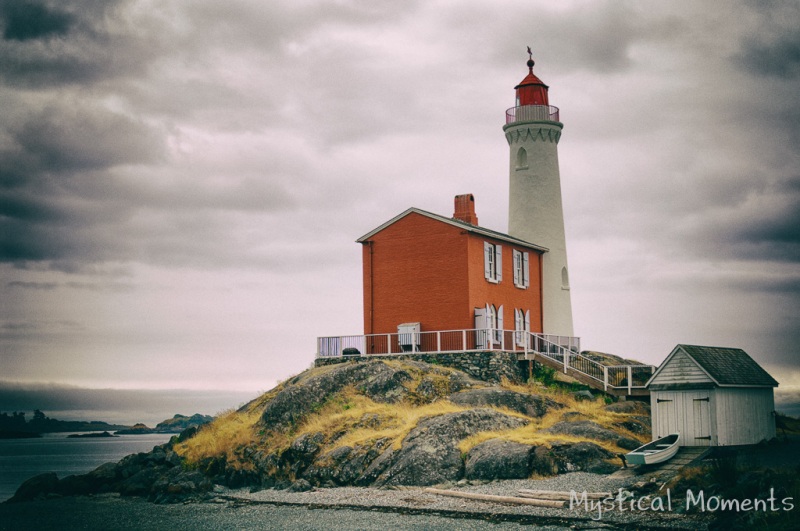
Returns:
point(350, 351)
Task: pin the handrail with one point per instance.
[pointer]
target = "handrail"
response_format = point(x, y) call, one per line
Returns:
point(532, 113)
point(564, 350)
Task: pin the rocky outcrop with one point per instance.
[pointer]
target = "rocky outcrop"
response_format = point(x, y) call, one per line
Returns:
point(531, 405)
point(492, 367)
point(36, 487)
point(499, 459)
point(179, 423)
point(157, 475)
point(347, 465)
point(582, 456)
point(375, 379)
point(430, 454)
point(366, 437)
point(591, 430)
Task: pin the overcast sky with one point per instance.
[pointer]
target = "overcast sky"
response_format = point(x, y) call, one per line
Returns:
point(182, 183)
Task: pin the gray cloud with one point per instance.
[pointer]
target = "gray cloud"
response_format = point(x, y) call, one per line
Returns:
point(774, 50)
point(22, 20)
point(779, 58)
point(64, 44)
point(205, 142)
point(72, 136)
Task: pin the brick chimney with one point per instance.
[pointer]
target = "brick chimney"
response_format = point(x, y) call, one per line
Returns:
point(465, 209)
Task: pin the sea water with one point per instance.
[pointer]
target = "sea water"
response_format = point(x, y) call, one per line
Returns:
point(21, 459)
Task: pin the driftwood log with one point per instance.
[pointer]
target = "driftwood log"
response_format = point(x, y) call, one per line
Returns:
point(561, 495)
point(497, 499)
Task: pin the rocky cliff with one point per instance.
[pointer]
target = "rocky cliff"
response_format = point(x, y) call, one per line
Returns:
point(381, 422)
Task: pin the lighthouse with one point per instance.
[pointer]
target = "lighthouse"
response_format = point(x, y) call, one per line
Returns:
point(535, 212)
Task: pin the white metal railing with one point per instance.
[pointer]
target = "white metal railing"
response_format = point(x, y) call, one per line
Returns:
point(475, 339)
point(532, 113)
point(565, 350)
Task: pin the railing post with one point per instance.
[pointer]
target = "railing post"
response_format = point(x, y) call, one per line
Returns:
point(388, 343)
point(605, 378)
point(630, 378)
point(438, 341)
point(464, 339)
point(566, 359)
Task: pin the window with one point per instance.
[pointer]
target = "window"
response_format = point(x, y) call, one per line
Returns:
point(495, 321)
point(564, 278)
point(521, 269)
point(522, 159)
point(492, 262)
point(522, 325)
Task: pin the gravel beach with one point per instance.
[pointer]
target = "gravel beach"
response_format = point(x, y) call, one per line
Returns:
point(341, 508)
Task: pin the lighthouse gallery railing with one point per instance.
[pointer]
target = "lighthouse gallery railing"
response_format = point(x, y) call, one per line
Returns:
point(532, 113)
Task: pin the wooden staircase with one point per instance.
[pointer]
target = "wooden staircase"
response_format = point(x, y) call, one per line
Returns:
point(617, 380)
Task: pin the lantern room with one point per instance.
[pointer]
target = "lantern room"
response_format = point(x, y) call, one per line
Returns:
point(531, 90)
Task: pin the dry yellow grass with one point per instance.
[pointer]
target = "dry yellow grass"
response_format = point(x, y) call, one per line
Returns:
point(593, 410)
point(532, 435)
point(350, 419)
point(227, 434)
point(392, 421)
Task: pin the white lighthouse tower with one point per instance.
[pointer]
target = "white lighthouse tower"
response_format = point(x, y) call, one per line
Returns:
point(535, 213)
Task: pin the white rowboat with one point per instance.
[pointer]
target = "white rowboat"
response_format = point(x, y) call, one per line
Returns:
point(657, 451)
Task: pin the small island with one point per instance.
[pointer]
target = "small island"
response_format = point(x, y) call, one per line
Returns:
point(92, 435)
point(14, 425)
point(176, 425)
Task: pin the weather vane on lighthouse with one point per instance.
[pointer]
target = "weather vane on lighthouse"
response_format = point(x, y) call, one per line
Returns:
point(530, 60)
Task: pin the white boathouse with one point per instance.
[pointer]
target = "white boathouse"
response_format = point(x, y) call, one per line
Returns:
point(712, 396)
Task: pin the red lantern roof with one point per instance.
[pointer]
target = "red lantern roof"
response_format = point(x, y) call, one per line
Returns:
point(531, 90)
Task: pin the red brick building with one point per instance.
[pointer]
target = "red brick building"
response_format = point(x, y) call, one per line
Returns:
point(437, 273)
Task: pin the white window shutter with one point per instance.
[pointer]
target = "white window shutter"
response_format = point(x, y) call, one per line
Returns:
point(500, 317)
point(480, 327)
point(526, 277)
point(480, 318)
point(517, 268)
point(487, 260)
point(499, 262)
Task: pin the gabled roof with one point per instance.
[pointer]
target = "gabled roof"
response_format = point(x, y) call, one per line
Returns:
point(727, 367)
point(456, 223)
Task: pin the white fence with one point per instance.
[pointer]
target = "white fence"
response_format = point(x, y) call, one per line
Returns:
point(564, 350)
point(445, 341)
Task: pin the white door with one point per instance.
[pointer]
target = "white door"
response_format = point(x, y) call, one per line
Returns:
point(699, 423)
point(666, 419)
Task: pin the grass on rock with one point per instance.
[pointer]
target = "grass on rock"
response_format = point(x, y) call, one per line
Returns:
point(350, 418)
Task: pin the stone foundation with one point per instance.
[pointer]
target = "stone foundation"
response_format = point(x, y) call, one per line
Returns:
point(486, 366)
